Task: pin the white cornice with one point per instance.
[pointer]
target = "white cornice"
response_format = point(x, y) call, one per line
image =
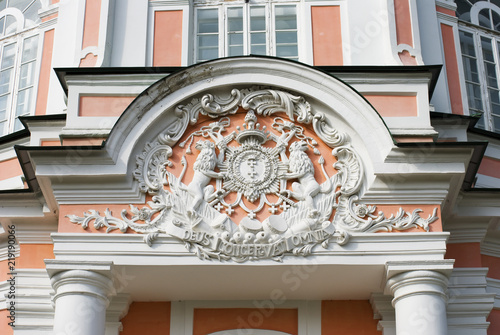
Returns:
point(131, 248)
point(466, 230)
point(494, 287)
point(490, 247)
point(448, 4)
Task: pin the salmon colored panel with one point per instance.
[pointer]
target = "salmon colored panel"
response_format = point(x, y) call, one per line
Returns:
point(5, 329)
point(394, 105)
point(210, 320)
point(410, 139)
point(10, 168)
point(91, 23)
point(494, 320)
point(426, 211)
point(406, 58)
point(87, 141)
point(493, 263)
point(450, 57)
point(55, 1)
point(50, 17)
point(490, 167)
point(445, 11)
point(167, 49)
point(151, 318)
point(348, 317)
point(84, 141)
point(403, 22)
point(103, 105)
point(32, 255)
point(90, 60)
point(4, 269)
point(45, 70)
point(50, 143)
point(327, 36)
point(466, 255)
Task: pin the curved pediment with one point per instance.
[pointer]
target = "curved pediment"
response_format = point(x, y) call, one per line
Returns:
point(157, 110)
point(251, 158)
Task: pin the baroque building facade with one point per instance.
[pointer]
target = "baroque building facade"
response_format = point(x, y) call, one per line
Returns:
point(249, 167)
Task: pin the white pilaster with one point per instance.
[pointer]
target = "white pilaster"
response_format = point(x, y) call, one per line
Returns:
point(419, 292)
point(81, 297)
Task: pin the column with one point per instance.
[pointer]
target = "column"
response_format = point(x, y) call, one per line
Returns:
point(419, 301)
point(81, 297)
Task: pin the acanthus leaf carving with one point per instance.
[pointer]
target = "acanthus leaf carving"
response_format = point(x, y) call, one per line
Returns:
point(305, 214)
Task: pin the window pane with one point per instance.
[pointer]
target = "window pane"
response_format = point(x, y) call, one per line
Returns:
point(257, 18)
point(486, 48)
point(20, 4)
point(208, 21)
point(2, 26)
point(208, 41)
point(496, 123)
point(18, 125)
point(286, 37)
point(470, 69)
point(463, 9)
point(5, 79)
point(8, 57)
point(10, 25)
point(30, 46)
point(206, 54)
point(31, 14)
point(285, 17)
point(235, 19)
point(236, 39)
point(3, 107)
point(467, 44)
point(474, 96)
point(235, 50)
point(3, 128)
point(258, 38)
point(258, 50)
point(491, 75)
point(480, 122)
point(23, 102)
point(484, 18)
point(286, 50)
point(27, 75)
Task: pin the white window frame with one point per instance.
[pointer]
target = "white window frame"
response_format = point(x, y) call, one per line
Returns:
point(477, 32)
point(270, 9)
point(19, 37)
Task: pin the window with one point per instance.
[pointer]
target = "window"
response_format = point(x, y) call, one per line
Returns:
point(480, 44)
point(258, 27)
point(18, 61)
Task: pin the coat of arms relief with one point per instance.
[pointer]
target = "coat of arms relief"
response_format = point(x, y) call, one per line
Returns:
point(255, 187)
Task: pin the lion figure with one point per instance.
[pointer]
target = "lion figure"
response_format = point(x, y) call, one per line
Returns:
point(301, 167)
point(203, 168)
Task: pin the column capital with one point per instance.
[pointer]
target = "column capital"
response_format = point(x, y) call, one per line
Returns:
point(87, 278)
point(417, 282)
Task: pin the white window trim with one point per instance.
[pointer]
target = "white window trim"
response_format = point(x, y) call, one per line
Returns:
point(270, 22)
point(161, 6)
point(19, 37)
point(309, 313)
point(478, 31)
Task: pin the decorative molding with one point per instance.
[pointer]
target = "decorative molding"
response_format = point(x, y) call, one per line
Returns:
point(251, 172)
point(383, 311)
point(469, 303)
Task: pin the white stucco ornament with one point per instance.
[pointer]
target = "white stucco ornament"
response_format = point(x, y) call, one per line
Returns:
point(257, 170)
